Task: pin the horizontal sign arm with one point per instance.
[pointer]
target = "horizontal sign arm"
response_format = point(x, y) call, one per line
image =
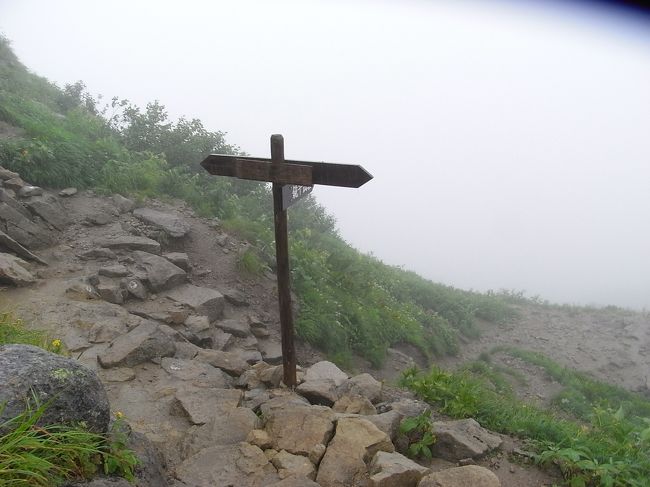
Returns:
point(329, 174)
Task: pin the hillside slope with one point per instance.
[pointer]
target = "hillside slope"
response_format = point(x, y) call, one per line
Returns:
point(349, 302)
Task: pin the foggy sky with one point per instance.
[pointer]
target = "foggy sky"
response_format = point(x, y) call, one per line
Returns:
point(510, 141)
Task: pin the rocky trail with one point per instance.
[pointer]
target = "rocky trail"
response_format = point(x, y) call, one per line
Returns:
point(187, 347)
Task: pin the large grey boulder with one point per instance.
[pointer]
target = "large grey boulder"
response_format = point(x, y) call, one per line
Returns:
point(235, 465)
point(464, 438)
point(355, 443)
point(49, 209)
point(395, 470)
point(13, 271)
point(172, 225)
point(75, 392)
point(202, 300)
point(160, 273)
point(461, 477)
point(143, 343)
point(130, 242)
point(322, 381)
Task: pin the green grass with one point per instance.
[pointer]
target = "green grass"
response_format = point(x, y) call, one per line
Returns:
point(13, 330)
point(33, 455)
point(608, 443)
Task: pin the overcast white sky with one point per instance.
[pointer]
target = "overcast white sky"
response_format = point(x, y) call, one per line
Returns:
point(510, 141)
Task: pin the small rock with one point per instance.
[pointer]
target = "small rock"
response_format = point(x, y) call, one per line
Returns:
point(363, 385)
point(259, 438)
point(6, 174)
point(271, 351)
point(99, 219)
point(200, 404)
point(395, 470)
point(321, 383)
point(290, 465)
point(199, 374)
point(27, 191)
point(236, 328)
point(197, 324)
point(463, 438)
point(356, 441)
point(113, 270)
point(111, 291)
point(297, 428)
point(235, 465)
point(14, 183)
point(203, 301)
point(99, 253)
point(227, 426)
point(461, 477)
point(68, 192)
point(131, 242)
point(221, 340)
point(354, 404)
point(179, 259)
point(120, 374)
point(229, 362)
point(13, 271)
point(124, 205)
point(136, 288)
point(235, 297)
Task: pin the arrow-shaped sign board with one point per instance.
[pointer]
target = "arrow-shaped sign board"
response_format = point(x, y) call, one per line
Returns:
point(289, 172)
point(292, 180)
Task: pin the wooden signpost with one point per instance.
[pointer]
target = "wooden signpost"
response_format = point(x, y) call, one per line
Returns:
point(292, 181)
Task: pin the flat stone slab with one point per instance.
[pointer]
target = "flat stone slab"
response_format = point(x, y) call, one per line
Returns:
point(145, 342)
point(19, 250)
point(161, 274)
point(201, 404)
point(238, 328)
point(230, 362)
point(49, 209)
point(203, 300)
point(130, 242)
point(172, 225)
point(227, 426)
point(461, 477)
point(227, 465)
point(197, 373)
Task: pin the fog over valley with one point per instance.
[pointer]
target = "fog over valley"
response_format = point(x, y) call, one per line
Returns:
point(508, 140)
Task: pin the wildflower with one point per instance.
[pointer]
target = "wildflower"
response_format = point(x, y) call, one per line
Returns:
point(119, 414)
point(56, 343)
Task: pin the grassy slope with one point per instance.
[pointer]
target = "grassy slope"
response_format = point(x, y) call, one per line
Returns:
point(349, 301)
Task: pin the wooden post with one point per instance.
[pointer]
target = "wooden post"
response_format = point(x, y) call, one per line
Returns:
point(282, 258)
